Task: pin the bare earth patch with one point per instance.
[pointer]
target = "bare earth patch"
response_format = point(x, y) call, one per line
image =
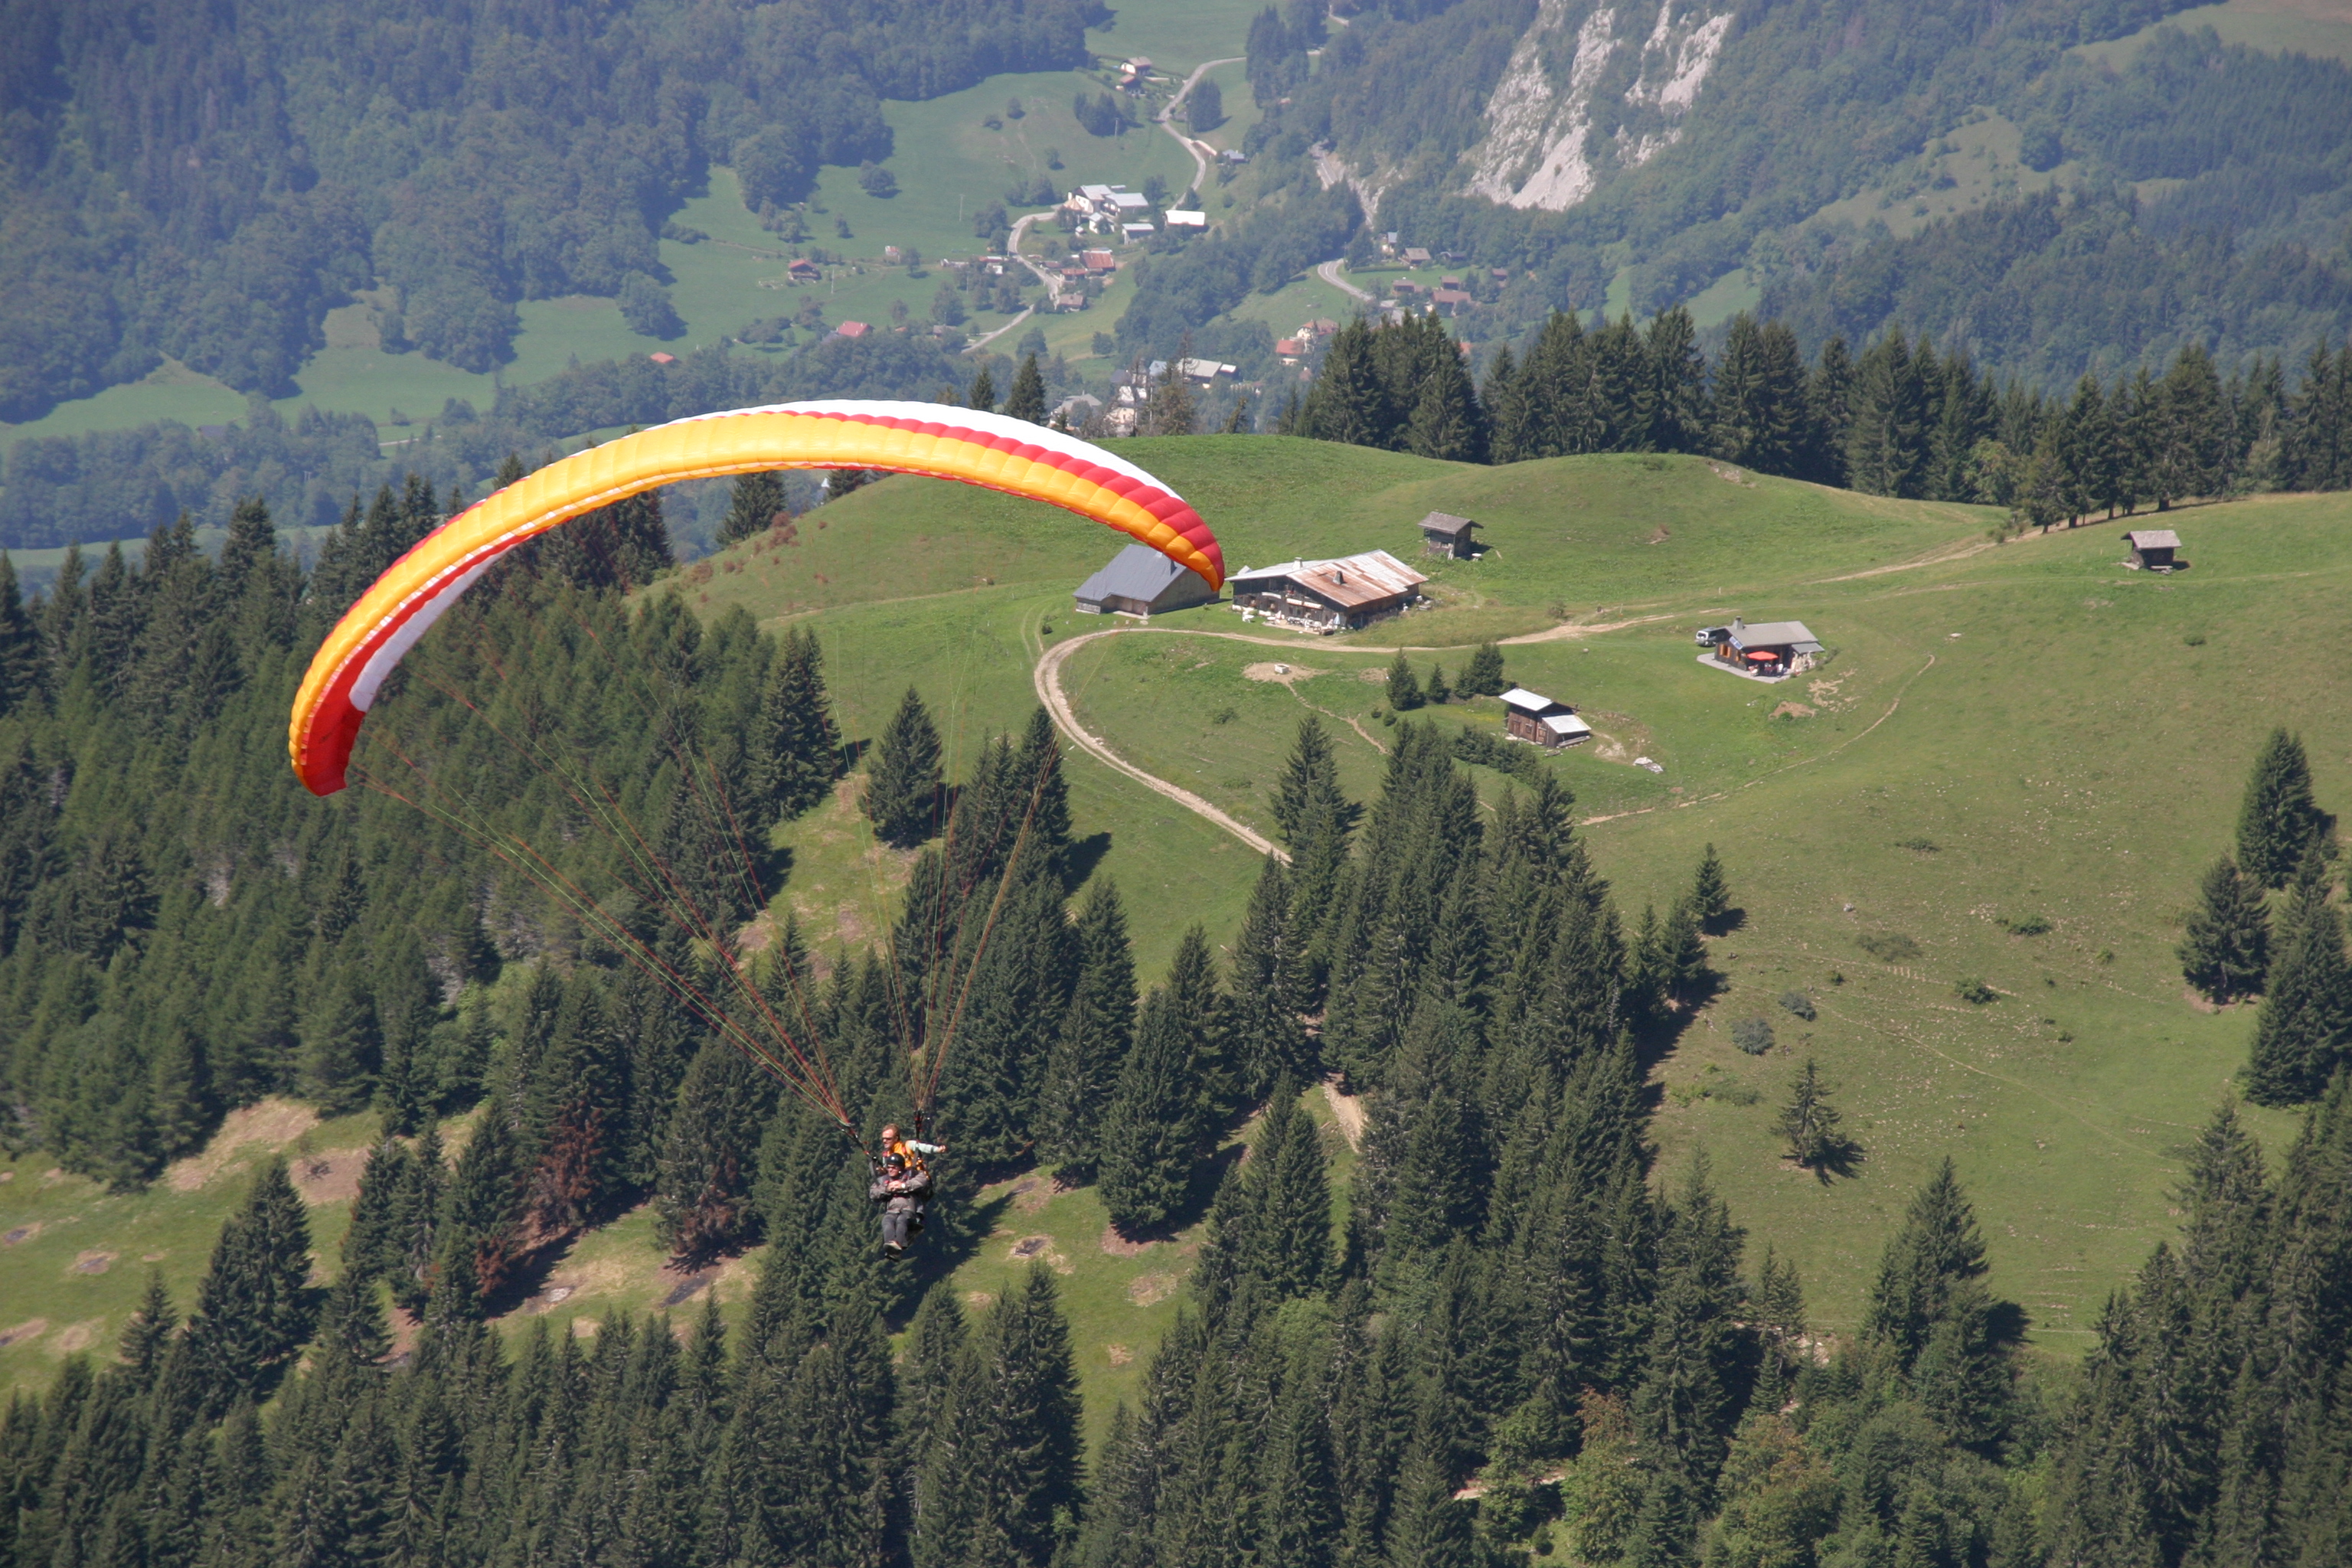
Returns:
point(1041, 1249)
point(92, 1263)
point(331, 1177)
point(1118, 1246)
point(1119, 1354)
point(979, 1300)
point(1280, 674)
point(1792, 710)
point(1374, 677)
point(24, 1332)
point(21, 1233)
point(1347, 1110)
point(273, 1124)
point(1660, 536)
point(1150, 1289)
point(79, 1336)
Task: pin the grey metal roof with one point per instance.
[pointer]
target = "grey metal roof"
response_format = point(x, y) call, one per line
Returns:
point(1445, 523)
point(1565, 724)
point(2154, 538)
point(1527, 701)
point(1138, 572)
point(1774, 634)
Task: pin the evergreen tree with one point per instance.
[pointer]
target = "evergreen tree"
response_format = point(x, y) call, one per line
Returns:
point(1290, 1234)
point(1084, 1069)
point(796, 748)
point(2280, 822)
point(22, 664)
point(1446, 421)
point(1350, 401)
point(2227, 950)
point(1404, 692)
point(983, 392)
point(1710, 894)
point(2306, 1024)
point(1886, 444)
point(755, 505)
point(1151, 1129)
point(1437, 690)
point(1263, 1029)
point(1483, 676)
point(1504, 397)
point(1309, 786)
point(1810, 1123)
point(253, 1308)
point(702, 1195)
point(1027, 398)
point(1930, 1313)
point(903, 790)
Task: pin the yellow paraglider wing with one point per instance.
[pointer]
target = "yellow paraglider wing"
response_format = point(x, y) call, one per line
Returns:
point(976, 449)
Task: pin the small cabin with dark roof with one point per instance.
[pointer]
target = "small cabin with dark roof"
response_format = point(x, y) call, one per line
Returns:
point(1532, 717)
point(1139, 581)
point(1443, 533)
point(1768, 650)
point(2152, 549)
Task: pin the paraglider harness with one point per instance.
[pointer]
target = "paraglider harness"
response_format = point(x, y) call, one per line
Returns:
point(902, 1171)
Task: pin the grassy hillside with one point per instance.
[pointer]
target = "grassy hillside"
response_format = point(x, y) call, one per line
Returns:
point(1999, 733)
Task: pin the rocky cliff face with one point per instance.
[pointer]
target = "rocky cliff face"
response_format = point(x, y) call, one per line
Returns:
point(1592, 90)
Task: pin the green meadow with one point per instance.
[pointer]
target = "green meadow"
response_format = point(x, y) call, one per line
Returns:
point(2023, 735)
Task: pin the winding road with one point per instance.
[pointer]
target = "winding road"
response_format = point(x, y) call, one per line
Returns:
point(1201, 151)
point(1330, 272)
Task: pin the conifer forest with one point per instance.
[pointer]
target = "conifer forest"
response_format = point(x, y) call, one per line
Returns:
point(1523, 1322)
point(1523, 1087)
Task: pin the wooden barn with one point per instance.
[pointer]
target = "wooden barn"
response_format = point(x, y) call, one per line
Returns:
point(1532, 717)
point(1337, 596)
point(2153, 549)
point(1139, 581)
point(1443, 533)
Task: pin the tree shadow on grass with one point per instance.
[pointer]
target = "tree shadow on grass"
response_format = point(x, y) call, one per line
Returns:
point(1079, 860)
point(1837, 1156)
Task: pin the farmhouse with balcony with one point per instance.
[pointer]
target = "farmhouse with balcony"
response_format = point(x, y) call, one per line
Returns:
point(1336, 596)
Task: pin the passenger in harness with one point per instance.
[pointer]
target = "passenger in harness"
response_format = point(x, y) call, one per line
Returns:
point(902, 1186)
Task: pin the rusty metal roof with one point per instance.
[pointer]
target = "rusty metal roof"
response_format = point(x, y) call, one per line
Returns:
point(1349, 582)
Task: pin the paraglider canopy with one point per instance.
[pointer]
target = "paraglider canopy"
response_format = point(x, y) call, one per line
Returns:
point(973, 448)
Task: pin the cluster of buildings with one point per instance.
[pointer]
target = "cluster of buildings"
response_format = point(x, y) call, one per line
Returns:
point(1115, 209)
point(1305, 340)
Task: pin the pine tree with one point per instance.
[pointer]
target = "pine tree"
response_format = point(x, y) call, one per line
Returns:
point(22, 665)
point(1928, 1284)
point(983, 392)
point(2280, 822)
point(1404, 690)
point(1447, 423)
point(1710, 894)
point(702, 1195)
point(1083, 1070)
point(1483, 676)
point(1264, 1028)
point(1290, 1240)
point(2305, 1027)
point(903, 790)
point(1308, 789)
point(1505, 399)
point(1151, 1129)
point(755, 505)
point(2227, 950)
point(1020, 1426)
point(252, 1309)
point(1027, 398)
point(1810, 1123)
point(795, 749)
point(1437, 693)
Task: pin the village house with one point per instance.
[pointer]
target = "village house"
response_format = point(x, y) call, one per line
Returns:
point(1139, 581)
point(1450, 302)
point(851, 330)
point(1443, 533)
point(1335, 595)
point(804, 270)
point(1180, 217)
point(1099, 260)
point(2152, 549)
point(1768, 650)
point(1290, 351)
point(1415, 256)
point(1536, 718)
